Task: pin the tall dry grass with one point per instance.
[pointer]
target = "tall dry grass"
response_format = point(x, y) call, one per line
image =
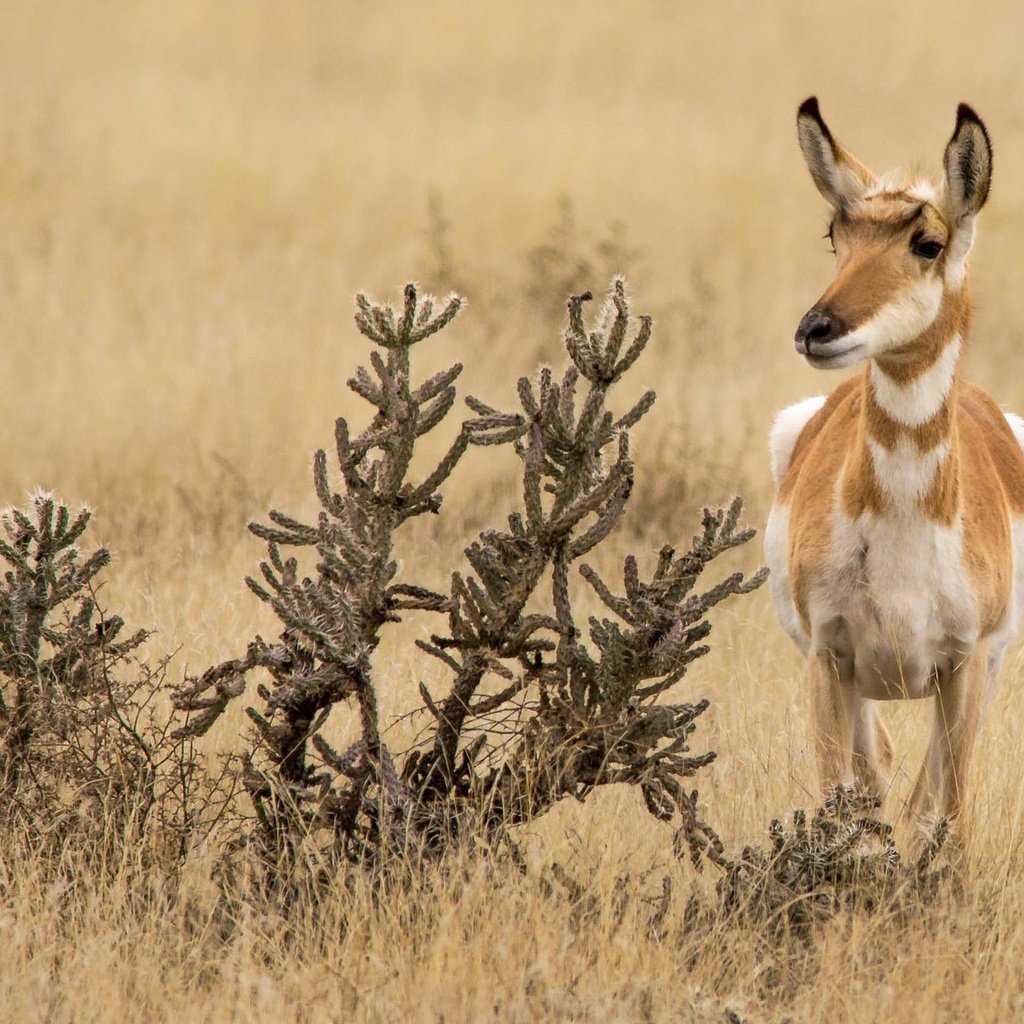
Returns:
point(189, 196)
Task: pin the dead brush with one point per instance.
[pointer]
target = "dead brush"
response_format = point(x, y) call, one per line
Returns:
point(534, 713)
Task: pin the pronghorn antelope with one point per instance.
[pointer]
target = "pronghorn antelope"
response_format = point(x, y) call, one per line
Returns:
point(896, 539)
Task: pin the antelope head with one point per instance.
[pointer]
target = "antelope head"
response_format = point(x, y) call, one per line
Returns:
point(900, 246)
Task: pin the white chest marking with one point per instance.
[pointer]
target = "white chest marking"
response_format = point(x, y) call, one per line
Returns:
point(904, 473)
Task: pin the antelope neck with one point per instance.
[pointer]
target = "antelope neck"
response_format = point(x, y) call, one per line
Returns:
point(907, 459)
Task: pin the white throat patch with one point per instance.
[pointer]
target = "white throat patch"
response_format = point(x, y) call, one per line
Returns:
point(917, 402)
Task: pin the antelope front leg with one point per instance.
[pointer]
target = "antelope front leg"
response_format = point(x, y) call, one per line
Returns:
point(958, 711)
point(872, 748)
point(958, 705)
point(833, 721)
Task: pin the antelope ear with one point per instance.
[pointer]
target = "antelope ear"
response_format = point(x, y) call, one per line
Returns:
point(968, 163)
point(841, 178)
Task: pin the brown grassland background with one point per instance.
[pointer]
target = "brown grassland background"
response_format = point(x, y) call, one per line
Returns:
point(191, 193)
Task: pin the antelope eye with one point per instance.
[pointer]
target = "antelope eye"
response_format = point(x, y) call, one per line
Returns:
point(926, 249)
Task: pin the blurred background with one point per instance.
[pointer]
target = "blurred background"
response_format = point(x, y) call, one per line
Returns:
point(191, 193)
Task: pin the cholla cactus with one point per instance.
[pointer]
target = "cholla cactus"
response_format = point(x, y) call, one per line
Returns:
point(70, 733)
point(333, 620)
point(594, 720)
point(44, 571)
point(585, 715)
point(841, 857)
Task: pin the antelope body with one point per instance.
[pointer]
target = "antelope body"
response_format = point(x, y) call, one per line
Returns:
point(896, 539)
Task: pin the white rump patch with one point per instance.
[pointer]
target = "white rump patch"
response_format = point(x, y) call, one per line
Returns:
point(917, 402)
point(786, 430)
point(905, 473)
point(1017, 426)
point(776, 555)
point(998, 641)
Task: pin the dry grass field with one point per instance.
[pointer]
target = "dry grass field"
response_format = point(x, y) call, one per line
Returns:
point(190, 195)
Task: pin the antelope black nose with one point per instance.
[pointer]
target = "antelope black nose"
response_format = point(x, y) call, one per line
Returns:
point(818, 328)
